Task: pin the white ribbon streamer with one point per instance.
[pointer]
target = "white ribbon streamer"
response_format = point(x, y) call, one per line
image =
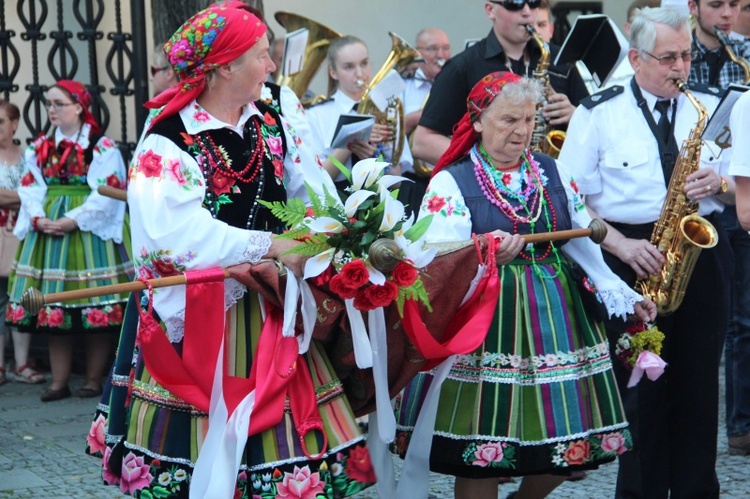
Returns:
point(360, 341)
point(379, 344)
point(415, 474)
point(220, 457)
point(381, 459)
point(291, 298)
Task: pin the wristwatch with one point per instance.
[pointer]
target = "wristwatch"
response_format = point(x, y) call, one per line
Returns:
point(724, 186)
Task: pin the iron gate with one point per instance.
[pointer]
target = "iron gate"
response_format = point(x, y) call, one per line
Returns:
point(123, 75)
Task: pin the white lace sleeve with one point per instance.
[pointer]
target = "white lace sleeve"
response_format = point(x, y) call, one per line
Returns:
point(101, 215)
point(257, 246)
point(617, 296)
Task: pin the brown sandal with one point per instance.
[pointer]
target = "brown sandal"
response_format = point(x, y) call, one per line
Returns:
point(27, 374)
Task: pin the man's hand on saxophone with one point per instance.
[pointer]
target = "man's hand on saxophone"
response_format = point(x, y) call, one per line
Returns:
point(705, 182)
point(558, 110)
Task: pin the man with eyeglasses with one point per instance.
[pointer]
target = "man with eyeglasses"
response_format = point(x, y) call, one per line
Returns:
point(621, 148)
point(711, 63)
point(435, 48)
point(507, 47)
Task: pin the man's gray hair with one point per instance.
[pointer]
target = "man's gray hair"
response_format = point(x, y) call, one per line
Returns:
point(643, 27)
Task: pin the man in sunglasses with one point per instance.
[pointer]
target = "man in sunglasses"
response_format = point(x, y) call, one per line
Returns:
point(507, 47)
point(621, 148)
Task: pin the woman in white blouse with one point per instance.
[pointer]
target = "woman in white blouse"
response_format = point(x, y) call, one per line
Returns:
point(72, 238)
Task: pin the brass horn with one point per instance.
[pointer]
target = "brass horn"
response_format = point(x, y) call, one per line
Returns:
point(316, 51)
point(401, 55)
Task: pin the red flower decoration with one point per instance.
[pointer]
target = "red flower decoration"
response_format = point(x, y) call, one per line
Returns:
point(115, 316)
point(163, 268)
point(56, 318)
point(150, 164)
point(27, 179)
point(97, 318)
point(362, 301)
point(337, 286)
point(381, 296)
point(269, 120)
point(404, 274)
point(435, 204)
point(355, 274)
point(359, 467)
point(187, 138)
point(115, 182)
point(577, 452)
point(222, 184)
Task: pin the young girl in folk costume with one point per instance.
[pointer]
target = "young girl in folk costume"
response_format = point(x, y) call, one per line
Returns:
point(72, 238)
point(210, 155)
point(538, 397)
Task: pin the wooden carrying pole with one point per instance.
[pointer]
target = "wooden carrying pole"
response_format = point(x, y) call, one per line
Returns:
point(33, 300)
point(113, 192)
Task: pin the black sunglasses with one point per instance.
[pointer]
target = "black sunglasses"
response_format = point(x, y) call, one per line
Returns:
point(155, 70)
point(516, 5)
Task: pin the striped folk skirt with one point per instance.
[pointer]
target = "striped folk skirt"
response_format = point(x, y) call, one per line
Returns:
point(538, 396)
point(149, 439)
point(77, 260)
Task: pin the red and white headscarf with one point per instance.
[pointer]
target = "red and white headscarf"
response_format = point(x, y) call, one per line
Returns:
point(479, 99)
point(81, 96)
point(213, 37)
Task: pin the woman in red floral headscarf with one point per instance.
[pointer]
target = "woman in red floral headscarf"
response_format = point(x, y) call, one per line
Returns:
point(72, 238)
point(212, 153)
point(538, 397)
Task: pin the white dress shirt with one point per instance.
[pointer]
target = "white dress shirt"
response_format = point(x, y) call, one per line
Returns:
point(739, 124)
point(417, 90)
point(614, 156)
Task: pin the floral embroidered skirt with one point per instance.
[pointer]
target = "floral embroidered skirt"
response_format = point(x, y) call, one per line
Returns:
point(77, 260)
point(149, 439)
point(539, 395)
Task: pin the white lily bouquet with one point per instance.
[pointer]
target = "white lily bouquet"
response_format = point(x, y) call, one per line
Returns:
point(338, 230)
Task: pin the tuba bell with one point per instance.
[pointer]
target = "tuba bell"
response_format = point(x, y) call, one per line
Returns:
point(316, 50)
point(401, 55)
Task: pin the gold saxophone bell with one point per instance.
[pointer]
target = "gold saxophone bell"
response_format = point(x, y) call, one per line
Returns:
point(679, 233)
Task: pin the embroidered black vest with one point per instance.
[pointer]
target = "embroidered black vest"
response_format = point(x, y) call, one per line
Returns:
point(486, 217)
point(236, 204)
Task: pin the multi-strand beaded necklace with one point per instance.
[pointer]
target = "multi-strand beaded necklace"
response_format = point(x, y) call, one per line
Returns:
point(216, 160)
point(523, 207)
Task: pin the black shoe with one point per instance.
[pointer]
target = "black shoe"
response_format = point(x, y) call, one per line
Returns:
point(50, 395)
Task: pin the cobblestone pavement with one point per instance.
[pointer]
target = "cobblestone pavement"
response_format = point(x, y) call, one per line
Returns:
point(41, 455)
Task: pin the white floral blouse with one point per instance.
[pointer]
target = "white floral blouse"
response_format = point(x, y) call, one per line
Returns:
point(452, 222)
point(171, 230)
point(101, 215)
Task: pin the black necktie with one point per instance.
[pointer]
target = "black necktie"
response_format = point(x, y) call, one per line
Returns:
point(664, 127)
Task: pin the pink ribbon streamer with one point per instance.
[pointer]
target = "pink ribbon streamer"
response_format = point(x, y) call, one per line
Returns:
point(650, 364)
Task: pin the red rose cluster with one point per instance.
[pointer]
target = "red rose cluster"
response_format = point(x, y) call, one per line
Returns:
point(351, 282)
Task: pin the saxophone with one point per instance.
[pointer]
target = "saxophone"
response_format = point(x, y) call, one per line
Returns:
point(679, 234)
point(542, 138)
point(740, 61)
